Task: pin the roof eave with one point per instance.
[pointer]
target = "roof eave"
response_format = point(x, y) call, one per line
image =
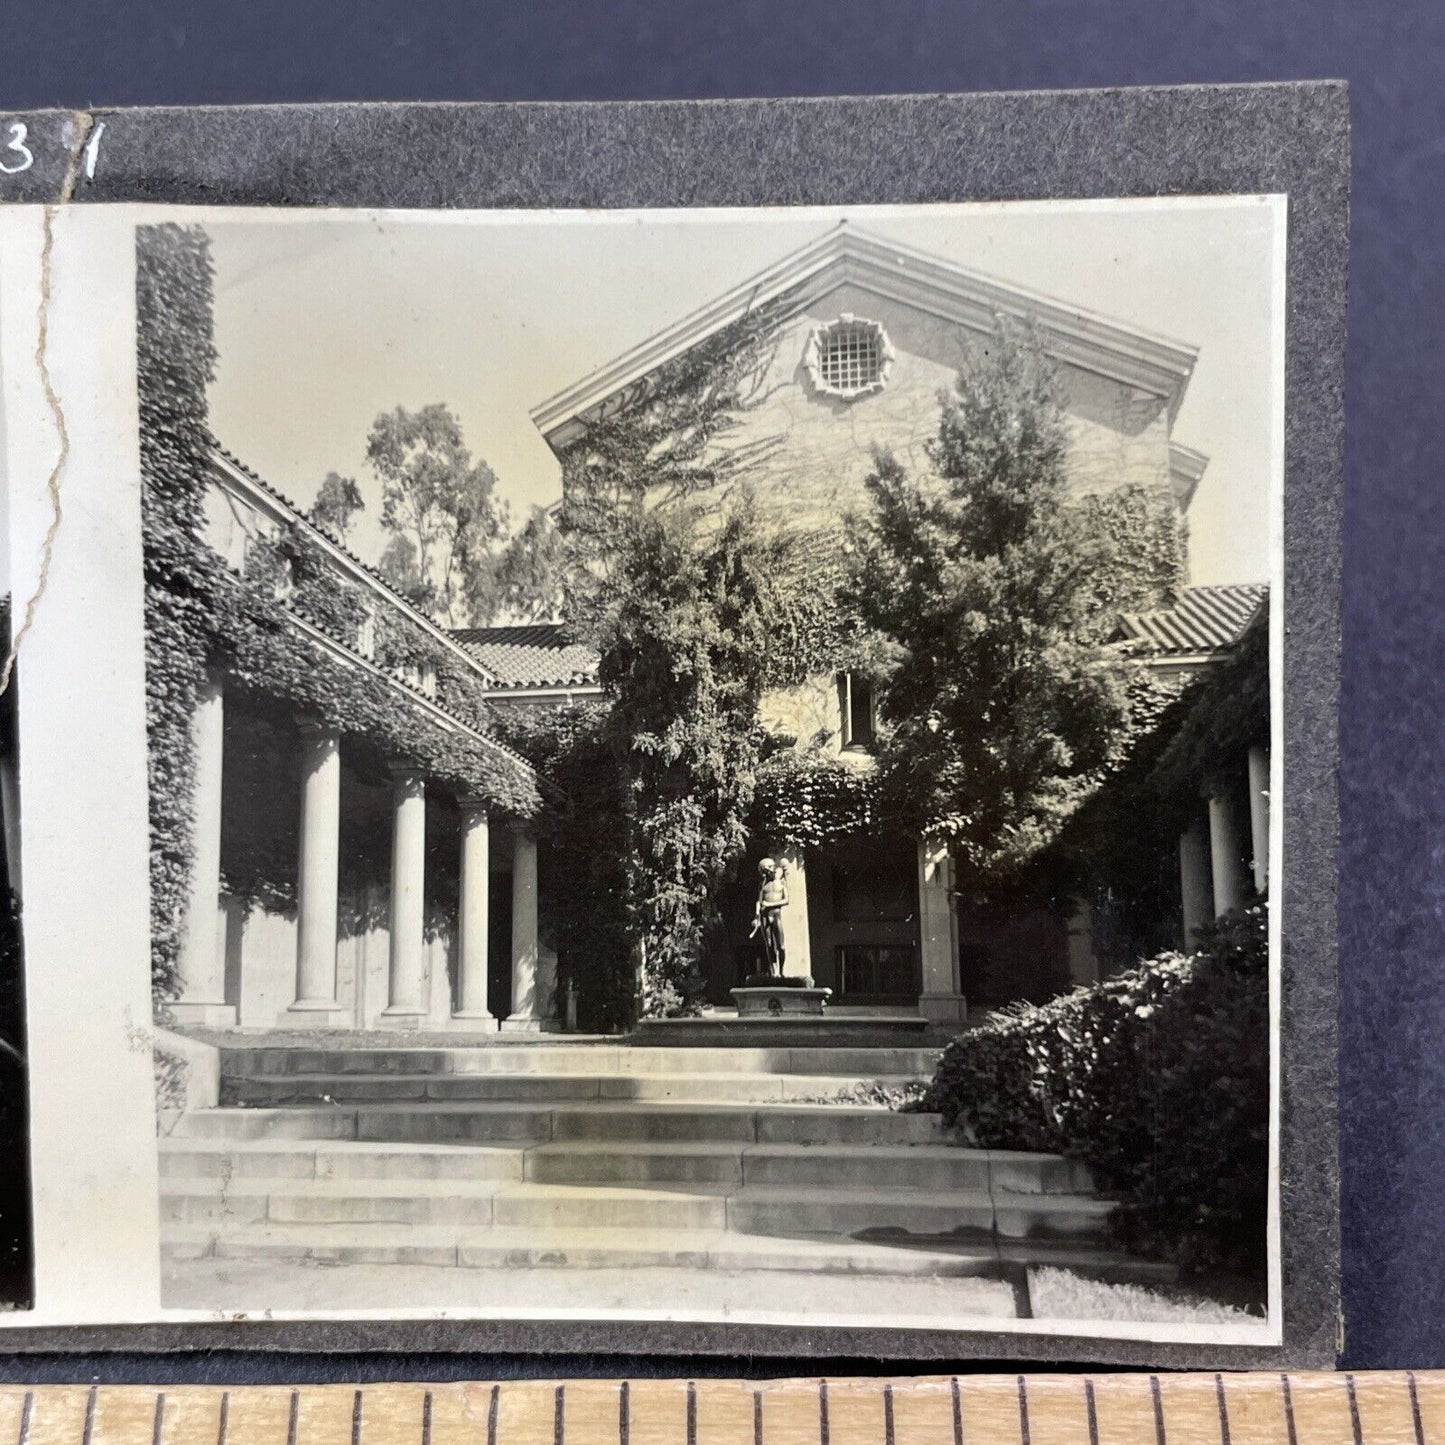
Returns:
point(1077, 337)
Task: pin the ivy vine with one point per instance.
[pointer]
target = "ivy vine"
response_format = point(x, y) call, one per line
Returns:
point(201, 615)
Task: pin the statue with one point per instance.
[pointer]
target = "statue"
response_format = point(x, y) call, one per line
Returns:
point(768, 914)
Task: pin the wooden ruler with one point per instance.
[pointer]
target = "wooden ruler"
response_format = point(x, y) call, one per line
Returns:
point(1243, 1409)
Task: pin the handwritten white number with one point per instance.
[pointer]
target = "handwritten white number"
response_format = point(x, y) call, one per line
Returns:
point(92, 148)
point(16, 143)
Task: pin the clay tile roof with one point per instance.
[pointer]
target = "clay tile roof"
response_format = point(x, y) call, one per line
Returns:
point(538, 654)
point(1205, 619)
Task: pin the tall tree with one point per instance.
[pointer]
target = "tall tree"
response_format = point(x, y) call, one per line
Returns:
point(528, 578)
point(440, 509)
point(670, 579)
point(683, 619)
point(1003, 703)
point(336, 505)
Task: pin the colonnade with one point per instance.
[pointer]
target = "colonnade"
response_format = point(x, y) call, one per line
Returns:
point(201, 964)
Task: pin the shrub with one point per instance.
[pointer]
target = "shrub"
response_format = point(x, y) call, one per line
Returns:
point(1157, 1078)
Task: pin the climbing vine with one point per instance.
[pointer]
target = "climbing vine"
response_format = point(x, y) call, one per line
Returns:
point(579, 828)
point(809, 797)
point(200, 614)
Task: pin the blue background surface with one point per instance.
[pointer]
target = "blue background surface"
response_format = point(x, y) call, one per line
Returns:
point(1392, 893)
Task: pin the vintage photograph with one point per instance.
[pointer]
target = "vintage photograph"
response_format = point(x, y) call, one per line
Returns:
point(708, 762)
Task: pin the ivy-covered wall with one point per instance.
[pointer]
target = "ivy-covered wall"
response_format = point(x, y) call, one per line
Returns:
point(200, 614)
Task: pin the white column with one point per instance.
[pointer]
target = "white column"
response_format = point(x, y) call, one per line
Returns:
point(473, 919)
point(1083, 964)
point(202, 960)
point(316, 891)
point(1259, 817)
point(406, 975)
point(531, 989)
point(942, 998)
point(1225, 853)
point(797, 941)
point(1194, 880)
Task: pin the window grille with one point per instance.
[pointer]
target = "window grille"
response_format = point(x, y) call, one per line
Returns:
point(849, 357)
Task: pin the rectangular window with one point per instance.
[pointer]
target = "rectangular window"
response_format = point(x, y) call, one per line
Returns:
point(877, 973)
point(855, 699)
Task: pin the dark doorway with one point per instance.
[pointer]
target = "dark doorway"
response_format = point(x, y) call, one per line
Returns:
point(499, 945)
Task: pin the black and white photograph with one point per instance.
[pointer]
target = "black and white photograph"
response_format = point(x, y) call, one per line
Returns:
point(700, 765)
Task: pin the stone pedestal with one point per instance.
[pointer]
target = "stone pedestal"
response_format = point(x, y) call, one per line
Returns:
point(780, 1002)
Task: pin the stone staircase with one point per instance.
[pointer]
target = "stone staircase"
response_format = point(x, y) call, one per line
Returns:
point(604, 1155)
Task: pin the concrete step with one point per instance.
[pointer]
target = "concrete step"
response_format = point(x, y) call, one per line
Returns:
point(742, 1209)
point(911, 1166)
point(234, 1159)
point(609, 1060)
point(502, 1121)
point(829, 1166)
point(349, 1088)
point(784, 1210)
point(509, 1248)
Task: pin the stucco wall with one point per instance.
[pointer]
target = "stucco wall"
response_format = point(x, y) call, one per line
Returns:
point(823, 445)
point(809, 712)
point(261, 966)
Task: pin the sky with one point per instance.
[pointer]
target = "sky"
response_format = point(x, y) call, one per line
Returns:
point(326, 319)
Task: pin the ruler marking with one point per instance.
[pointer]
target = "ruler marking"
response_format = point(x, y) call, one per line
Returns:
point(1354, 1409)
point(1285, 1428)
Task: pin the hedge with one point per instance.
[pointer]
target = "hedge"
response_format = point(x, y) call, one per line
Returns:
point(1157, 1078)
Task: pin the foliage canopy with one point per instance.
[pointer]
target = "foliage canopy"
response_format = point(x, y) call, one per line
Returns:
point(996, 589)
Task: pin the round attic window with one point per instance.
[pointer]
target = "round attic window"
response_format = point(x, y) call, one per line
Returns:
point(849, 357)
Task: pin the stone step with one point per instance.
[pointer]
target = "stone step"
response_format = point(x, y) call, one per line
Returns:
point(906, 1167)
point(508, 1248)
point(497, 1122)
point(912, 1166)
point(788, 1210)
point(190, 1158)
point(741, 1088)
point(611, 1060)
point(747, 1209)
